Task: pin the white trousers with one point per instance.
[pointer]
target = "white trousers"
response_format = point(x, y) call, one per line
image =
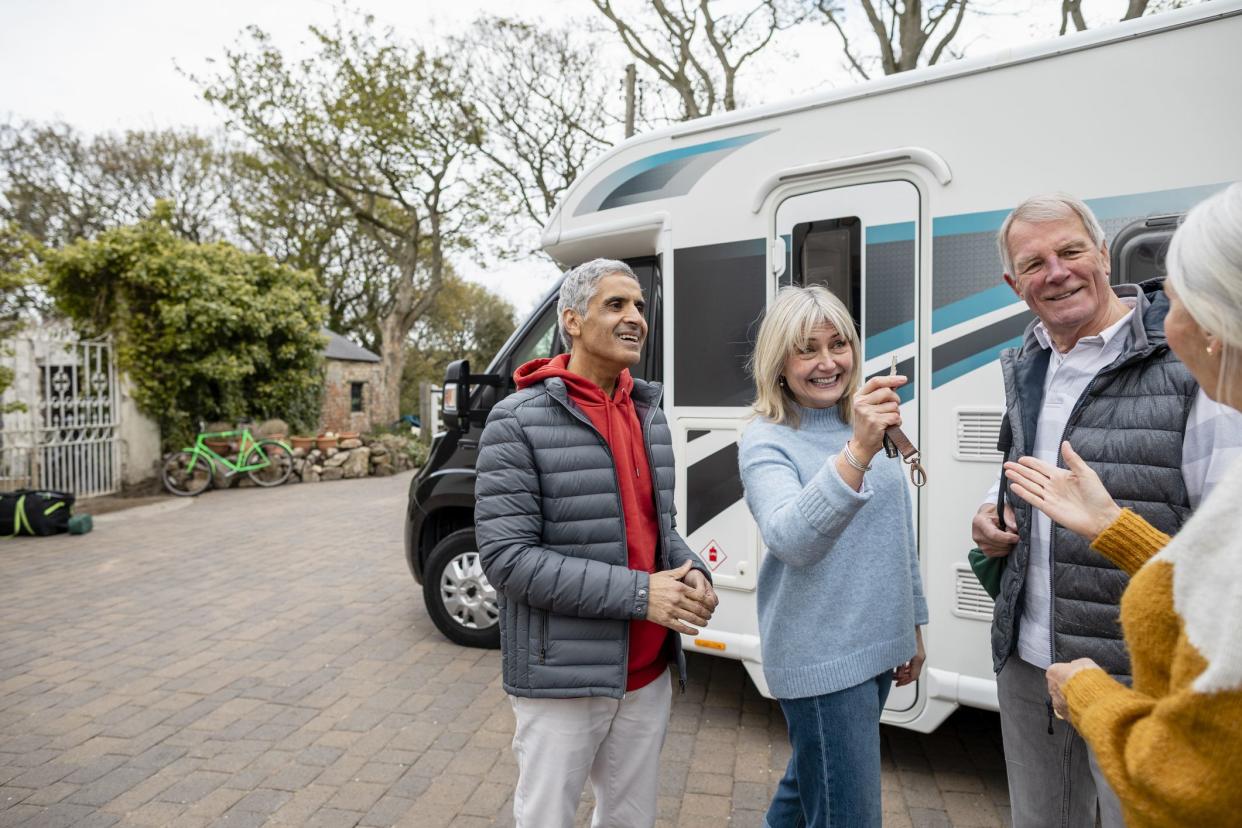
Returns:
point(560, 743)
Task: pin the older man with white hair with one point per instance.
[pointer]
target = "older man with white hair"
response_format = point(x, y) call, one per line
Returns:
point(576, 531)
point(1094, 369)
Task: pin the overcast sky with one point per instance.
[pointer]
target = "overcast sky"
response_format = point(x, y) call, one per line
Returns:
point(112, 64)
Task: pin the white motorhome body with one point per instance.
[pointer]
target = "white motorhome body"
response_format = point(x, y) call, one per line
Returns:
point(891, 193)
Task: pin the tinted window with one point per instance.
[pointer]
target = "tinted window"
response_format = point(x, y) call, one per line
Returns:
point(827, 253)
point(718, 297)
point(539, 340)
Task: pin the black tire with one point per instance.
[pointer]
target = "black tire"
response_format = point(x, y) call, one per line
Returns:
point(460, 601)
point(186, 474)
point(279, 467)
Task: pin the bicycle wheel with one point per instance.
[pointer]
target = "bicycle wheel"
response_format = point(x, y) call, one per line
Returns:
point(186, 474)
point(278, 467)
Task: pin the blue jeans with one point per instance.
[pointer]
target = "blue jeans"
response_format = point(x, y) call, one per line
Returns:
point(833, 778)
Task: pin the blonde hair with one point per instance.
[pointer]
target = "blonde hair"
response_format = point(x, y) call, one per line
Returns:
point(1205, 268)
point(787, 327)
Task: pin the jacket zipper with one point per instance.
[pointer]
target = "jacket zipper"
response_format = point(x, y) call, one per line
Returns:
point(543, 636)
point(663, 548)
point(1052, 535)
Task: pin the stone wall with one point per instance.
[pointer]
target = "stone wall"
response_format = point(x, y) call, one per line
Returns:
point(352, 458)
point(338, 376)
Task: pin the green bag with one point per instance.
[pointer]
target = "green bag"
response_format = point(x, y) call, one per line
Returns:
point(988, 570)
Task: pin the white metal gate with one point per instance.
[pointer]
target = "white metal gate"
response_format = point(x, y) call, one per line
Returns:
point(65, 435)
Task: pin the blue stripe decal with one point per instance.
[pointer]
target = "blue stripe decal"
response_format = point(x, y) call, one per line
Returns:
point(1001, 296)
point(881, 233)
point(1111, 207)
point(1161, 201)
point(890, 340)
point(972, 307)
point(605, 194)
point(965, 366)
point(987, 222)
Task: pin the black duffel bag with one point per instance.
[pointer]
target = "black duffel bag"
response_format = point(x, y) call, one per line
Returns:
point(35, 512)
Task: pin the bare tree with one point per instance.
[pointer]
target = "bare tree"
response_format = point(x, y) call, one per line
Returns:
point(903, 29)
point(543, 101)
point(695, 49)
point(1071, 11)
point(60, 185)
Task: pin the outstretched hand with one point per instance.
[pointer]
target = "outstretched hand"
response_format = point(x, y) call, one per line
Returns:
point(1073, 497)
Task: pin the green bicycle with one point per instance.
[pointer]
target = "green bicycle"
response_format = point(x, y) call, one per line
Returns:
point(190, 471)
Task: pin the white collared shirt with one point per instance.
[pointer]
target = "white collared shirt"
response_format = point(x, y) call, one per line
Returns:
point(1213, 437)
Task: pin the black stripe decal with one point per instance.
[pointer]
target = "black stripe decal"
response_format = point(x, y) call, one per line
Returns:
point(980, 340)
point(712, 485)
point(696, 433)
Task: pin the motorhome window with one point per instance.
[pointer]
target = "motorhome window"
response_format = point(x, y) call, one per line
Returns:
point(1142, 258)
point(539, 340)
point(648, 272)
point(718, 294)
point(827, 253)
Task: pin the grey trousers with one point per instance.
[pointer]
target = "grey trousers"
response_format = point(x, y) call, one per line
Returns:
point(1054, 781)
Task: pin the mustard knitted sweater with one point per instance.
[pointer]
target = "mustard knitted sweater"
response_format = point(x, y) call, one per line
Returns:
point(1171, 747)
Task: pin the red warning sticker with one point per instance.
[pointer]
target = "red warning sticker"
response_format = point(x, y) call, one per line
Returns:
point(713, 555)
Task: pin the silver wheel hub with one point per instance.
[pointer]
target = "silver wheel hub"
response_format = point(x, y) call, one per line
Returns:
point(468, 597)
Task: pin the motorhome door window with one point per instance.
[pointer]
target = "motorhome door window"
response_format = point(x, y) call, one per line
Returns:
point(827, 253)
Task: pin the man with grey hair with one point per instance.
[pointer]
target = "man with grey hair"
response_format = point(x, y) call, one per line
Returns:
point(1093, 369)
point(575, 523)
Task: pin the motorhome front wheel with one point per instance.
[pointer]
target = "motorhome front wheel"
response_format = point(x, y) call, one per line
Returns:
point(460, 601)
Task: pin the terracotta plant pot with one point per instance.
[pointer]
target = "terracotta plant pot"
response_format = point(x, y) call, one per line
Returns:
point(323, 443)
point(219, 446)
point(349, 435)
point(304, 443)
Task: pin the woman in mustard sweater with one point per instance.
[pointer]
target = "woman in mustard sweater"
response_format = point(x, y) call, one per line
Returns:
point(1171, 745)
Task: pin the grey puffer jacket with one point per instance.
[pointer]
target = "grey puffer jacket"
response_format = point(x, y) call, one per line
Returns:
point(551, 535)
point(1129, 426)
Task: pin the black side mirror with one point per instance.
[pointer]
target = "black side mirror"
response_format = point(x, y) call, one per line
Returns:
point(455, 406)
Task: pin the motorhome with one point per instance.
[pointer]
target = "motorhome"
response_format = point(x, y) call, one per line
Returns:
point(890, 193)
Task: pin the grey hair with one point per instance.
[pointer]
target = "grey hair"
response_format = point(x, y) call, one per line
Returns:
point(1205, 269)
point(1049, 207)
point(580, 285)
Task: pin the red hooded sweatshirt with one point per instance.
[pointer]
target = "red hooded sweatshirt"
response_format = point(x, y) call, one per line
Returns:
point(617, 421)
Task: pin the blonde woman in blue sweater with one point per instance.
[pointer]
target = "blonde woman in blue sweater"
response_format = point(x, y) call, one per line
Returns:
point(840, 597)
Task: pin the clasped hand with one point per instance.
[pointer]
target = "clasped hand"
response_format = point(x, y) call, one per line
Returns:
point(680, 597)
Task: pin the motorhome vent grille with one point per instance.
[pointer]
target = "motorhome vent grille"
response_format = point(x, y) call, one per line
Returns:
point(977, 431)
point(970, 599)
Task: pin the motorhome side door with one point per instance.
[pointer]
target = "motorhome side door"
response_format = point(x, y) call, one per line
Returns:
point(861, 242)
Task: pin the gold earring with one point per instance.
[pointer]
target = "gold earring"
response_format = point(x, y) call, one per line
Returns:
point(1209, 350)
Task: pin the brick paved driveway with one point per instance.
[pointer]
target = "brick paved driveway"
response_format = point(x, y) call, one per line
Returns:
point(262, 657)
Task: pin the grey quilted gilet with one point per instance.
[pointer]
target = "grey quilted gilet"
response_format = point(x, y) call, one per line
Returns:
point(1129, 426)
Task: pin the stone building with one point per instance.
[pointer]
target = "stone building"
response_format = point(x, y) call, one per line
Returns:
point(353, 385)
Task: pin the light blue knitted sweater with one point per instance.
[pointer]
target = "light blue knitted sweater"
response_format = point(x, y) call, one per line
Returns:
point(839, 588)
